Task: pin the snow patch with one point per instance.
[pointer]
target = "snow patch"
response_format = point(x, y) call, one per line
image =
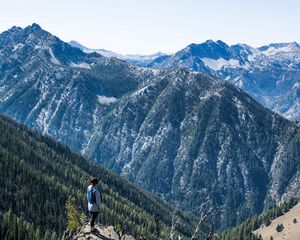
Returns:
point(296, 85)
point(293, 112)
point(53, 59)
point(80, 65)
point(140, 91)
point(106, 100)
point(218, 64)
point(17, 46)
point(210, 94)
point(238, 81)
point(289, 48)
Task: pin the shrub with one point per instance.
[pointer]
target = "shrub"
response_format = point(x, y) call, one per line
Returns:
point(279, 227)
point(295, 220)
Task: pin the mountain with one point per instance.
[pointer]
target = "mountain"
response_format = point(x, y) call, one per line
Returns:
point(270, 74)
point(58, 89)
point(37, 176)
point(136, 59)
point(187, 135)
point(179, 134)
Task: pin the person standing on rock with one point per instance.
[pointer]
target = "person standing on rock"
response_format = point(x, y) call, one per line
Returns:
point(94, 201)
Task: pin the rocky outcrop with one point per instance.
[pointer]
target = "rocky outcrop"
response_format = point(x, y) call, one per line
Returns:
point(100, 233)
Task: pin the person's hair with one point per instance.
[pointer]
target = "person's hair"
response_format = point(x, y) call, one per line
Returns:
point(94, 181)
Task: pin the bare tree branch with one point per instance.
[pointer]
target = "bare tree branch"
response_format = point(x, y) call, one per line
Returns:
point(206, 211)
point(175, 221)
point(210, 234)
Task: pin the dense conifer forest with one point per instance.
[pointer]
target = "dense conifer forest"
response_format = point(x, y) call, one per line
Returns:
point(37, 176)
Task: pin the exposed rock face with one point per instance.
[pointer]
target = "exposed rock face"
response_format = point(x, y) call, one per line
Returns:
point(176, 133)
point(101, 233)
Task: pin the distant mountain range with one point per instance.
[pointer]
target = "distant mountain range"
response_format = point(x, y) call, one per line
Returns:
point(270, 74)
point(139, 60)
point(180, 134)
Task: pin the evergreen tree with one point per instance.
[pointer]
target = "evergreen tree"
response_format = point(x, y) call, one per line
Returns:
point(74, 216)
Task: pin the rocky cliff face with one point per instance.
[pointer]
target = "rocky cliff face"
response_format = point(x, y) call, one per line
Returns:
point(179, 134)
point(270, 74)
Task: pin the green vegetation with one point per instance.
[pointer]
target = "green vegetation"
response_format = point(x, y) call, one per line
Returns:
point(14, 228)
point(43, 185)
point(244, 230)
point(279, 227)
point(75, 218)
point(37, 176)
point(295, 221)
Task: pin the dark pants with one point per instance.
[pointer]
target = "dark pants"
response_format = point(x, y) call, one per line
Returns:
point(94, 216)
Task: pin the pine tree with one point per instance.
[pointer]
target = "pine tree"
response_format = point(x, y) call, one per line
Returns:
point(74, 216)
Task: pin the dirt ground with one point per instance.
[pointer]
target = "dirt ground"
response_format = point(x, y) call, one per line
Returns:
point(291, 230)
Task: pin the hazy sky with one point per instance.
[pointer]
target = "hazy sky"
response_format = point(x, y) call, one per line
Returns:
point(148, 26)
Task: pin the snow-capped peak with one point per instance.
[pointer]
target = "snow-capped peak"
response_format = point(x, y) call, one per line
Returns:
point(274, 49)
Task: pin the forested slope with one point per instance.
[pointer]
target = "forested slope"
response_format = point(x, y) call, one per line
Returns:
point(37, 176)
